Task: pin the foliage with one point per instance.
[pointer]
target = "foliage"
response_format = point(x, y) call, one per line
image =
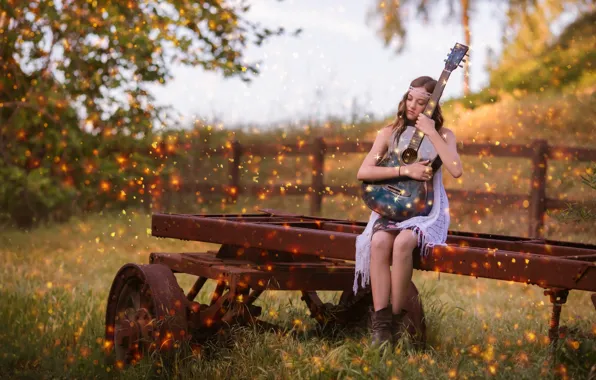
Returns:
point(390, 16)
point(530, 63)
point(75, 105)
point(534, 62)
point(590, 177)
point(579, 211)
point(471, 101)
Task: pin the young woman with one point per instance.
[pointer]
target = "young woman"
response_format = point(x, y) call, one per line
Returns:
point(386, 243)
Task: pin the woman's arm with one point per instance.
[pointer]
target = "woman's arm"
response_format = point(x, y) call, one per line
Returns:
point(368, 171)
point(447, 150)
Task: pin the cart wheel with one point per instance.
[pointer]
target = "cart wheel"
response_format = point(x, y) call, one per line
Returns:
point(146, 312)
point(354, 310)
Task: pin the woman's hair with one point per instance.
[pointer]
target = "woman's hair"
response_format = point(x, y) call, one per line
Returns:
point(399, 125)
point(400, 121)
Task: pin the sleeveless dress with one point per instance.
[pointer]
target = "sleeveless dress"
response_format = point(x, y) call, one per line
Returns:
point(429, 229)
point(386, 224)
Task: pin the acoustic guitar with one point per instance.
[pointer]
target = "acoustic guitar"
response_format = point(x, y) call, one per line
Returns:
point(402, 197)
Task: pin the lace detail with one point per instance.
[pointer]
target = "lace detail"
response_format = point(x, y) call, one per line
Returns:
point(430, 230)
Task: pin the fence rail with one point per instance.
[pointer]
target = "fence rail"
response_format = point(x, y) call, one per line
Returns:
point(538, 151)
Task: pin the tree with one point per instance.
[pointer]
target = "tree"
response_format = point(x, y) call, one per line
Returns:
point(74, 87)
point(521, 20)
point(530, 44)
point(392, 15)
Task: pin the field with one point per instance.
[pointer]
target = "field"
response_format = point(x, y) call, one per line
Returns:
point(54, 280)
point(78, 114)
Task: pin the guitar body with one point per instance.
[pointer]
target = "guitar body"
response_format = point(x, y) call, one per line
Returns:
point(402, 197)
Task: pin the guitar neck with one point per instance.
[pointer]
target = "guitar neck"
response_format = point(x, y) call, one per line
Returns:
point(430, 108)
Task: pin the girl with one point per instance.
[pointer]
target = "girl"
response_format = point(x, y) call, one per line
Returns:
point(393, 243)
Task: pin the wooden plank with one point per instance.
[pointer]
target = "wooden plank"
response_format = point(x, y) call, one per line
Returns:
point(501, 150)
point(571, 154)
point(261, 150)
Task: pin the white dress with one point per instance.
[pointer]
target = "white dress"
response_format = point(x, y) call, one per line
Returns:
point(430, 229)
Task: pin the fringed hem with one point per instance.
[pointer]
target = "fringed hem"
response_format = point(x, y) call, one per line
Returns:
point(425, 249)
point(433, 227)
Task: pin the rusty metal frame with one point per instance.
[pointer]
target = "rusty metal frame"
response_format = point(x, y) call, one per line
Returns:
point(548, 264)
point(279, 250)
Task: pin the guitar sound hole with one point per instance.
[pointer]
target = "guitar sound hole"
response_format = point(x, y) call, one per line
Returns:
point(409, 156)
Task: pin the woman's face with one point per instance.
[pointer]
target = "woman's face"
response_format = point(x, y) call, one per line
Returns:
point(415, 104)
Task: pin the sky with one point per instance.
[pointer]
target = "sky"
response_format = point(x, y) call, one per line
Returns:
point(338, 59)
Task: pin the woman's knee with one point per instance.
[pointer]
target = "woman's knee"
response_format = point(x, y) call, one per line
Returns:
point(381, 245)
point(404, 244)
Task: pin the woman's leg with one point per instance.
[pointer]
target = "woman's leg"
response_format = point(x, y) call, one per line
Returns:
point(401, 272)
point(380, 274)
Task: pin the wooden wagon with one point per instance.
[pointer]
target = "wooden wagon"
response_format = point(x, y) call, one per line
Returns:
point(275, 250)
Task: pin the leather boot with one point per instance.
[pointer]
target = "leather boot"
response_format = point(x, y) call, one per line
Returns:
point(381, 326)
point(397, 325)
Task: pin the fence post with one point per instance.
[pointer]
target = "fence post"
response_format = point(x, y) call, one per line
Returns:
point(317, 184)
point(147, 201)
point(234, 170)
point(196, 150)
point(538, 189)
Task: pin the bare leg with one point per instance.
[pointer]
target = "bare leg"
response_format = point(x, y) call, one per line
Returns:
point(380, 274)
point(401, 273)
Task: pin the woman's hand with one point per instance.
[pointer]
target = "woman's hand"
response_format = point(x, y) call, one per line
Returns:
point(425, 124)
point(418, 170)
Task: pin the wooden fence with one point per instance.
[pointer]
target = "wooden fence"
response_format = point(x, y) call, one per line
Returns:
point(538, 151)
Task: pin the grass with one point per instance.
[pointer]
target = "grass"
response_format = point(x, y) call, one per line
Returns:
point(54, 283)
point(54, 280)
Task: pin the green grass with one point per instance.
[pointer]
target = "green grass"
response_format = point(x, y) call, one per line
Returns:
point(55, 279)
point(54, 283)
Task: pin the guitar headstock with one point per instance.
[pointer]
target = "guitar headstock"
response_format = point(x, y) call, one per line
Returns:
point(458, 52)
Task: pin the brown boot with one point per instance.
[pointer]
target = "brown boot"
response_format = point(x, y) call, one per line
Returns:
point(381, 326)
point(397, 325)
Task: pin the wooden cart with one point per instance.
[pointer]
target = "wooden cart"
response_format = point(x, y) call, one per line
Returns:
point(275, 250)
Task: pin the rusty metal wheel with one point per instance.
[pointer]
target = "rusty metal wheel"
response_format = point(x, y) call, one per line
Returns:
point(350, 311)
point(146, 312)
point(228, 306)
point(354, 310)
